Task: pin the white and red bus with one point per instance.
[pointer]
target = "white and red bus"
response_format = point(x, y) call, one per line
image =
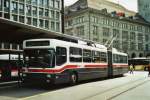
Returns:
point(9, 66)
point(57, 61)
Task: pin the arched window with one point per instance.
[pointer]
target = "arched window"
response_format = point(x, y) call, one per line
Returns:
point(133, 55)
point(140, 55)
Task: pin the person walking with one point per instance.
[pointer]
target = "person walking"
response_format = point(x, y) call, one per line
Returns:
point(131, 69)
point(148, 70)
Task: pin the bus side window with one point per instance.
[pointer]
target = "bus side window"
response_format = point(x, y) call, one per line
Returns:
point(75, 54)
point(103, 57)
point(87, 55)
point(96, 57)
point(61, 55)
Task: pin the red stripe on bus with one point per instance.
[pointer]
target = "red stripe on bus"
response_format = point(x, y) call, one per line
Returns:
point(14, 70)
point(53, 70)
point(64, 68)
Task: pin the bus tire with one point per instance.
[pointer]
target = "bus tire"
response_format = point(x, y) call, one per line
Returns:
point(73, 79)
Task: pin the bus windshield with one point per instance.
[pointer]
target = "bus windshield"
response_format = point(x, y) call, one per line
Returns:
point(39, 58)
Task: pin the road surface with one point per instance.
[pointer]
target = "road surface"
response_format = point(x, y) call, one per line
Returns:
point(129, 87)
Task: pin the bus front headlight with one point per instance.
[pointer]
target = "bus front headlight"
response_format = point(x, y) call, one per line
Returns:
point(48, 76)
point(24, 75)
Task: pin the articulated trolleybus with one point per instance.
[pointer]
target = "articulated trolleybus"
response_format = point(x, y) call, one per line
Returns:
point(56, 61)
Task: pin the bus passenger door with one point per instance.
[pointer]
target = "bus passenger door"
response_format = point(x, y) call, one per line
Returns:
point(110, 64)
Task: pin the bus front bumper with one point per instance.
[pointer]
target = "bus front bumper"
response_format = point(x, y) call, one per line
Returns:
point(38, 78)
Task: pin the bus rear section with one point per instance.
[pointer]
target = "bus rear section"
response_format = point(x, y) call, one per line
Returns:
point(120, 63)
point(140, 63)
point(9, 67)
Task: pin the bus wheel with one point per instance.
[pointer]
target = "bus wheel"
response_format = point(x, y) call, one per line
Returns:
point(73, 79)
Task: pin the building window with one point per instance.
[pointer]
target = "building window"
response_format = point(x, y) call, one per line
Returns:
point(94, 19)
point(140, 46)
point(41, 2)
point(7, 15)
point(52, 25)
point(69, 23)
point(46, 13)
point(79, 20)
point(104, 41)
point(41, 10)
point(21, 19)
point(34, 10)
point(28, 20)
point(106, 31)
point(132, 46)
point(80, 31)
point(21, 8)
point(41, 23)
point(6, 5)
point(21, 1)
point(116, 33)
point(124, 26)
point(14, 7)
point(125, 35)
point(146, 47)
point(132, 36)
point(57, 15)
point(28, 10)
point(69, 31)
point(46, 2)
point(47, 24)
point(57, 3)
point(34, 22)
point(146, 38)
point(52, 14)
point(52, 3)
point(125, 46)
point(140, 37)
point(140, 28)
point(14, 18)
point(57, 26)
point(116, 44)
point(95, 30)
point(34, 2)
point(0, 5)
point(28, 1)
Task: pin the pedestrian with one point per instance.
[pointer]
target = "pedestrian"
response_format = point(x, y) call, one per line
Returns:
point(148, 70)
point(131, 69)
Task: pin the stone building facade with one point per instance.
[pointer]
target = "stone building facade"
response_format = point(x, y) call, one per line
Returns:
point(144, 9)
point(131, 32)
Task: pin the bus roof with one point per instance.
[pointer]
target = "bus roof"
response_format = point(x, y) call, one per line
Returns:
point(61, 43)
point(68, 44)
